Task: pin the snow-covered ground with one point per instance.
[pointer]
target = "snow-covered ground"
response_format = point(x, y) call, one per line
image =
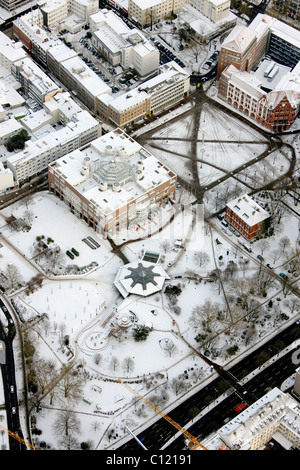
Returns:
point(71, 316)
point(83, 307)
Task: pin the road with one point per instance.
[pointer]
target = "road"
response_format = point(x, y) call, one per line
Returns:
point(9, 382)
point(157, 435)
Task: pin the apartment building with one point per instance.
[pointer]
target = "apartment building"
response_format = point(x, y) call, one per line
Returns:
point(147, 12)
point(111, 182)
point(35, 83)
point(8, 128)
point(246, 216)
point(34, 38)
point(170, 86)
point(121, 45)
point(276, 110)
point(12, 5)
point(215, 10)
point(72, 71)
point(275, 416)
point(56, 12)
point(238, 49)
point(10, 52)
point(79, 129)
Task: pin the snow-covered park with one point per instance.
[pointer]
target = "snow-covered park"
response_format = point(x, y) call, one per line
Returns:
point(70, 320)
point(79, 330)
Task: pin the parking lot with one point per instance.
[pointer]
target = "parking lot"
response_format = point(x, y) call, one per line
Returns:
point(166, 55)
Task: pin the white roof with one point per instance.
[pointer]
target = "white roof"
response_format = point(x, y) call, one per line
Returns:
point(9, 126)
point(112, 154)
point(248, 210)
point(144, 4)
point(11, 50)
point(61, 52)
point(36, 76)
point(239, 39)
point(140, 278)
point(87, 77)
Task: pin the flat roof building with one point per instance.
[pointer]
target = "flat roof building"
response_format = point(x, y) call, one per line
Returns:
point(275, 416)
point(79, 129)
point(35, 83)
point(121, 45)
point(111, 182)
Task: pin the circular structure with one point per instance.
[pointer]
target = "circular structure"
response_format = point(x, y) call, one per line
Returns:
point(141, 278)
point(123, 320)
point(114, 171)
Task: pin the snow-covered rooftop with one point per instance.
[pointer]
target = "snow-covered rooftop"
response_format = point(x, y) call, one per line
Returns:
point(12, 51)
point(86, 76)
point(248, 210)
point(267, 413)
point(140, 278)
point(112, 171)
point(239, 39)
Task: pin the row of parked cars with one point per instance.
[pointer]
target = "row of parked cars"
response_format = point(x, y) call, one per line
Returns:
point(167, 53)
point(211, 61)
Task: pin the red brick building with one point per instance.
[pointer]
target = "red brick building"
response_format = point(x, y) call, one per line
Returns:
point(246, 216)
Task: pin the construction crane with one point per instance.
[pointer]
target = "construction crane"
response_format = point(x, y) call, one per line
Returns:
point(194, 443)
point(18, 438)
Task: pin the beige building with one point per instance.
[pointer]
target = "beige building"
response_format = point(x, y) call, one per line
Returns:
point(121, 45)
point(170, 86)
point(147, 12)
point(112, 182)
point(215, 10)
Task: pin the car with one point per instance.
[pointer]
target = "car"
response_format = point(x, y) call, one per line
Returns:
point(12, 389)
point(13, 410)
point(268, 265)
point(241, 407)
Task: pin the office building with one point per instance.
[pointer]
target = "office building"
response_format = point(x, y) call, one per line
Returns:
point(111, 182)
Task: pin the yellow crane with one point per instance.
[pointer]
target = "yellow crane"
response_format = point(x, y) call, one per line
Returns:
point(18, 438)
point(195, 444)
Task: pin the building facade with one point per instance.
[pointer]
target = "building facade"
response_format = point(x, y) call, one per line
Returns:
point(112, 182)
point(169, 87)
point(276, 110)
point(152, 11)
point(215, 10)
point(121, 45)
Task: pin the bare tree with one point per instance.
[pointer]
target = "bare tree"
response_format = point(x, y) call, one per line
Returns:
point(13, 278)
point(66, 424)
point(177, 385)
point(114, 363)
point(284, 243)
point(165, 246)
point(201, 258)
point(97, 358)
point(128, 364)
point(263, 245)
point(170, 347)
point(28, 217)
point(71, 386)
point(205, 315)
